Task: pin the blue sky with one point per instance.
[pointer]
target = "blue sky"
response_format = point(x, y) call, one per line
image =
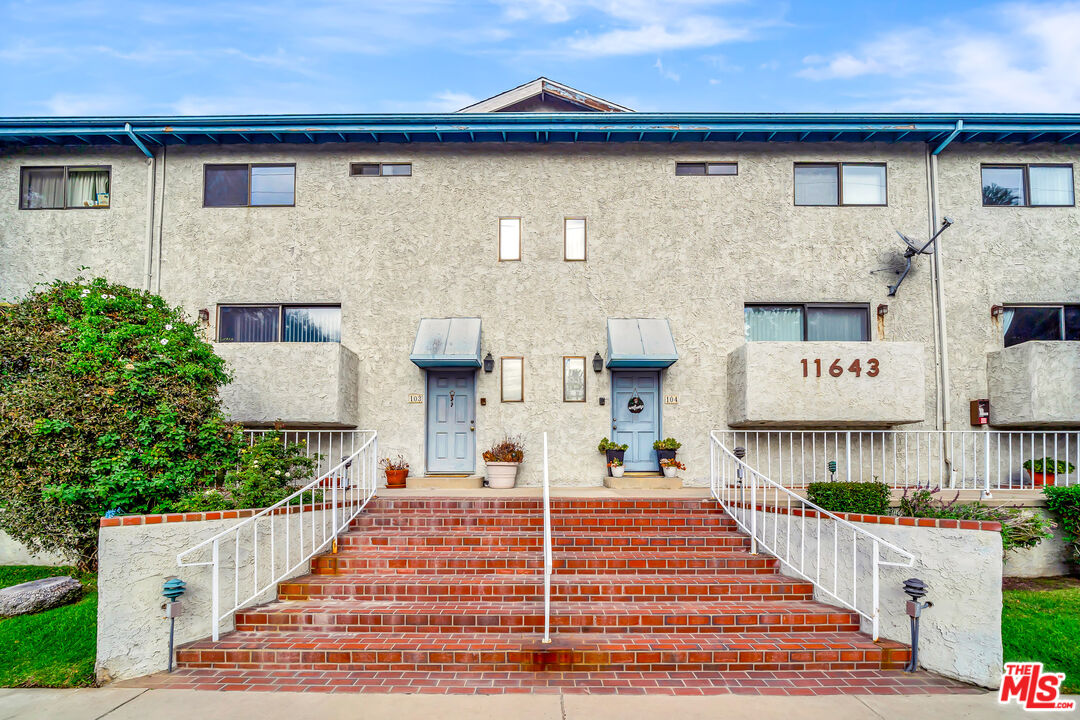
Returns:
point(87, 57)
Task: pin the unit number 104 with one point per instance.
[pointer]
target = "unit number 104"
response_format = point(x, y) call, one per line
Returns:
point(837, 368)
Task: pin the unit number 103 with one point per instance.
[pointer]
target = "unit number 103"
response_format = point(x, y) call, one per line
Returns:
point(837, 368)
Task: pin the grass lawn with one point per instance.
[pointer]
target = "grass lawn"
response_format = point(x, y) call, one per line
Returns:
point(1044, 625)
point(55, 648)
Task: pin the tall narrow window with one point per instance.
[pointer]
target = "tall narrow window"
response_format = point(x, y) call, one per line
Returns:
point(513, 378)
point(840, 184)
point(64, 188)
point(510, 238)
point(574, 242)
point(249, 185)
point(574, 379)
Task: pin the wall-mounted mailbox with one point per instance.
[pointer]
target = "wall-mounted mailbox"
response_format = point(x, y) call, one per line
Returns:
point(980, 412)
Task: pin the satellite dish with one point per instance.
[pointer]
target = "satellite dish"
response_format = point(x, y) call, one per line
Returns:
point(913, 249)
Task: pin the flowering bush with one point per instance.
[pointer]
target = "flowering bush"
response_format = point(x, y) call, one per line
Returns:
point(672, 462)
point(615, 462)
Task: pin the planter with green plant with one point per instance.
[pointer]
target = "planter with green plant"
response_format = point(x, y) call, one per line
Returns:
point(1043, 470)
point(1064, 504)
point(665, 450)
point(612, 451)
point(502, 462)
point(615, 467)
point(669, 466)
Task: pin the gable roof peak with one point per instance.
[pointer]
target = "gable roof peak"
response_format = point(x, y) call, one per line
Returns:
point(544, 95)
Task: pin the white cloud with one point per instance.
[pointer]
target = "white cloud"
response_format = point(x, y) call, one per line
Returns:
point(1027, 61)
point(691, 32)
point(88, 104)
point(664, 72)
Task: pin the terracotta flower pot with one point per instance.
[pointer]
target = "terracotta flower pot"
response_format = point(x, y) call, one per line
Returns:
point(502, 475)
point(396, 478)
point(1040, 479)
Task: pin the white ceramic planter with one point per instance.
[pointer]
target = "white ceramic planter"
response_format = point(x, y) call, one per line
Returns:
point(669, 471)
point(502, 475)
point(617, 471)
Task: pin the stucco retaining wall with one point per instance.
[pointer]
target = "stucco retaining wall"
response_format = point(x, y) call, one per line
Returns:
point(134, 560)
point(13, 552)
point(961, 634)
point(1035, 384)
point(1049, 558)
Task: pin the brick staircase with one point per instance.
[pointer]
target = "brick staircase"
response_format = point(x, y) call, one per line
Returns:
point(447, 595)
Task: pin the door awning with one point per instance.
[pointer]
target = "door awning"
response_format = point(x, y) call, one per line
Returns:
point(640, 343)
point(447, 342)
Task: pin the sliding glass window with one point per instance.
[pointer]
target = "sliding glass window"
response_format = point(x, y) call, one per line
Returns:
point(64, 188)
point(1022, 323)
point(279, 323)
point(1028, 185)
point(841, 184)
point(810, 322)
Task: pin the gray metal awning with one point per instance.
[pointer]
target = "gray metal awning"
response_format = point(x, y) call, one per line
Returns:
point(640, 343)
point(447, 342)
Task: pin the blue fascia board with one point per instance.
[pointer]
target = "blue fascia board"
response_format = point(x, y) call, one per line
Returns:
point(640, 362)
point(425, 361)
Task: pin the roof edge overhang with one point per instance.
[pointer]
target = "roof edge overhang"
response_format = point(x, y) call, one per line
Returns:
point(497, 127)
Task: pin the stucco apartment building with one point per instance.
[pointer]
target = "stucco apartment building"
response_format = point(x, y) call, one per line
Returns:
point(549, 261)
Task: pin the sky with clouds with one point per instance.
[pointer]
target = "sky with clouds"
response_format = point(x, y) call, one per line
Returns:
point(90, 57)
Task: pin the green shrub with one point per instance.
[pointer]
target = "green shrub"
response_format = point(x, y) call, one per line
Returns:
point(108, 400)
point(606, 445)
point(1064, 503)
point(667, 444)
point(866, 498)
point(1049, 466)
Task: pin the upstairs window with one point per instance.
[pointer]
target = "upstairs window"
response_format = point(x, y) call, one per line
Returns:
point(263, 185)
point(509, 238)
point(574, 239)
point(380, 169)
point(809, 322)
point(279, 323)
point(1022, 323)
point(840, 184)
point(713, 169)
point(1028, 185)
point(64, 188)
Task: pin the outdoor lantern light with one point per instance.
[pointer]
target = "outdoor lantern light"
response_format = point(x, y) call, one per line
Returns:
point(915, 589)
point(597, 363)
point(489, 363)
point(174, 588)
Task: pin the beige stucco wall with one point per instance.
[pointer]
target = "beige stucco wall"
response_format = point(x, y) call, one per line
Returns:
point(308, 384)
point(693, 250)
point(767, 387)
point(13, 552)
point(1035, 384)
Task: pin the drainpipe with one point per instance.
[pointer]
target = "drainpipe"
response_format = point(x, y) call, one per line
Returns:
point(150, 173)
point(945, 389)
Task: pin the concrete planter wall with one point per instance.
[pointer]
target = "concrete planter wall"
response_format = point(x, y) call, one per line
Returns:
point(13, 552)
point(777, 384)
point(1035, 384)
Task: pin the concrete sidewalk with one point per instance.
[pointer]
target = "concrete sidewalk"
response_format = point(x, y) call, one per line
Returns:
point(138, 704)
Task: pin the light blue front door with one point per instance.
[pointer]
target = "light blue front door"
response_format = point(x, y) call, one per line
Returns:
point(635, 416)
point(451, 436)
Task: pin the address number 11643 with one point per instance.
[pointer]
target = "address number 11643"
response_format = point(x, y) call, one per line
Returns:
point(836, 369)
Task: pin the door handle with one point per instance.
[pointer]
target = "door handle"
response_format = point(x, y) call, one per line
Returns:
point(614, 426)
point(472, 426)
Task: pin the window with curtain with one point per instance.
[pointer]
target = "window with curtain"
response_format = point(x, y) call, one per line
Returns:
point(509, 238)
point(279, 323)
point(64, 188)
point(249, 185)
point(574, 239)
point(1023, 323)
point(709, 169)
point(512, 370)
point(840, 184)
point(798, 322)
point(1028, 185)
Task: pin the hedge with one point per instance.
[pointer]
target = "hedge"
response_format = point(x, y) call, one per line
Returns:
point(865, 498)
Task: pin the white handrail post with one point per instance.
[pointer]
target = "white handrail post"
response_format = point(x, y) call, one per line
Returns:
point(334, 505)
point(875, 592)
point(847, 455)
point(753, 507)
point(215, 615)
point(986, 463)
point(547, 548)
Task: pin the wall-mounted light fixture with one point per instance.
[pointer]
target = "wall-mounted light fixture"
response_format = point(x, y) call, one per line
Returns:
point(997, 311)
point(204, 316)
point(882, 310)
point(597, 363)
point(489, 363)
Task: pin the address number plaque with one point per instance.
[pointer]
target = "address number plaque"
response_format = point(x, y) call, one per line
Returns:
point(816, 367)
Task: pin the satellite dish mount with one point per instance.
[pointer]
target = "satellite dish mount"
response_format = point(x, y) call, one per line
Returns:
point(913, 250)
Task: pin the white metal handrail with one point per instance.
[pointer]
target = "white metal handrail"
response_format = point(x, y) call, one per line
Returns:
point(326, 447)
point(262, 547)
point(984, 460)
point(547, 548)
point(744, 493)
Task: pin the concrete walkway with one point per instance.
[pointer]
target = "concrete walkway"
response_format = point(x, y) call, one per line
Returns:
point(136, 704)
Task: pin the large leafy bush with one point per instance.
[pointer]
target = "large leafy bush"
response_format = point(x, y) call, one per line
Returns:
point(108, 401)
point(1064, 503)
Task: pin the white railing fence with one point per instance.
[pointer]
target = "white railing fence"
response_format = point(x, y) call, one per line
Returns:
point(547, 547)
point(329, 447)
point(960, 459)
point(252, 556)
point(842, 560)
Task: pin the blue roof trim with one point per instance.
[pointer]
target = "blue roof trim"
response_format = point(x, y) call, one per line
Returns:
point(938, 129)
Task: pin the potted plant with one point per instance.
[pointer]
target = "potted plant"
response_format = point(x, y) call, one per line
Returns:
point(670, 465)
point(502, 462)
point(615, 467)
point(612, 451)
point(1043, 470)
point(666, 449)
point(396, 471)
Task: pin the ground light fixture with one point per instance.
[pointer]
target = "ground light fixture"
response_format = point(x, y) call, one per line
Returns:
point(174, 588)
point(597, 363)
point(831, 467)
point(915, 589)
point(489, 363)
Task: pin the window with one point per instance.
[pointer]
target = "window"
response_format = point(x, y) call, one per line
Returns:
point(1028, 185)
point(574, 247)
point(509, 238)
point(512, 370)
point(64, 188)
point(706, 168)
point(798, 322)
point(840, 184)
point(380, 169)
point(1022, 323)
point(249, 185)
point(279, 323)
point(573, 386)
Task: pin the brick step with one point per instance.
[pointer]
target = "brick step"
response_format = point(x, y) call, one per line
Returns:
point(581, 588)
point(559, 505)
point(510, 652)
point(534, 540)
point(351, 616)
point(559, 521)
point(682, 562)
